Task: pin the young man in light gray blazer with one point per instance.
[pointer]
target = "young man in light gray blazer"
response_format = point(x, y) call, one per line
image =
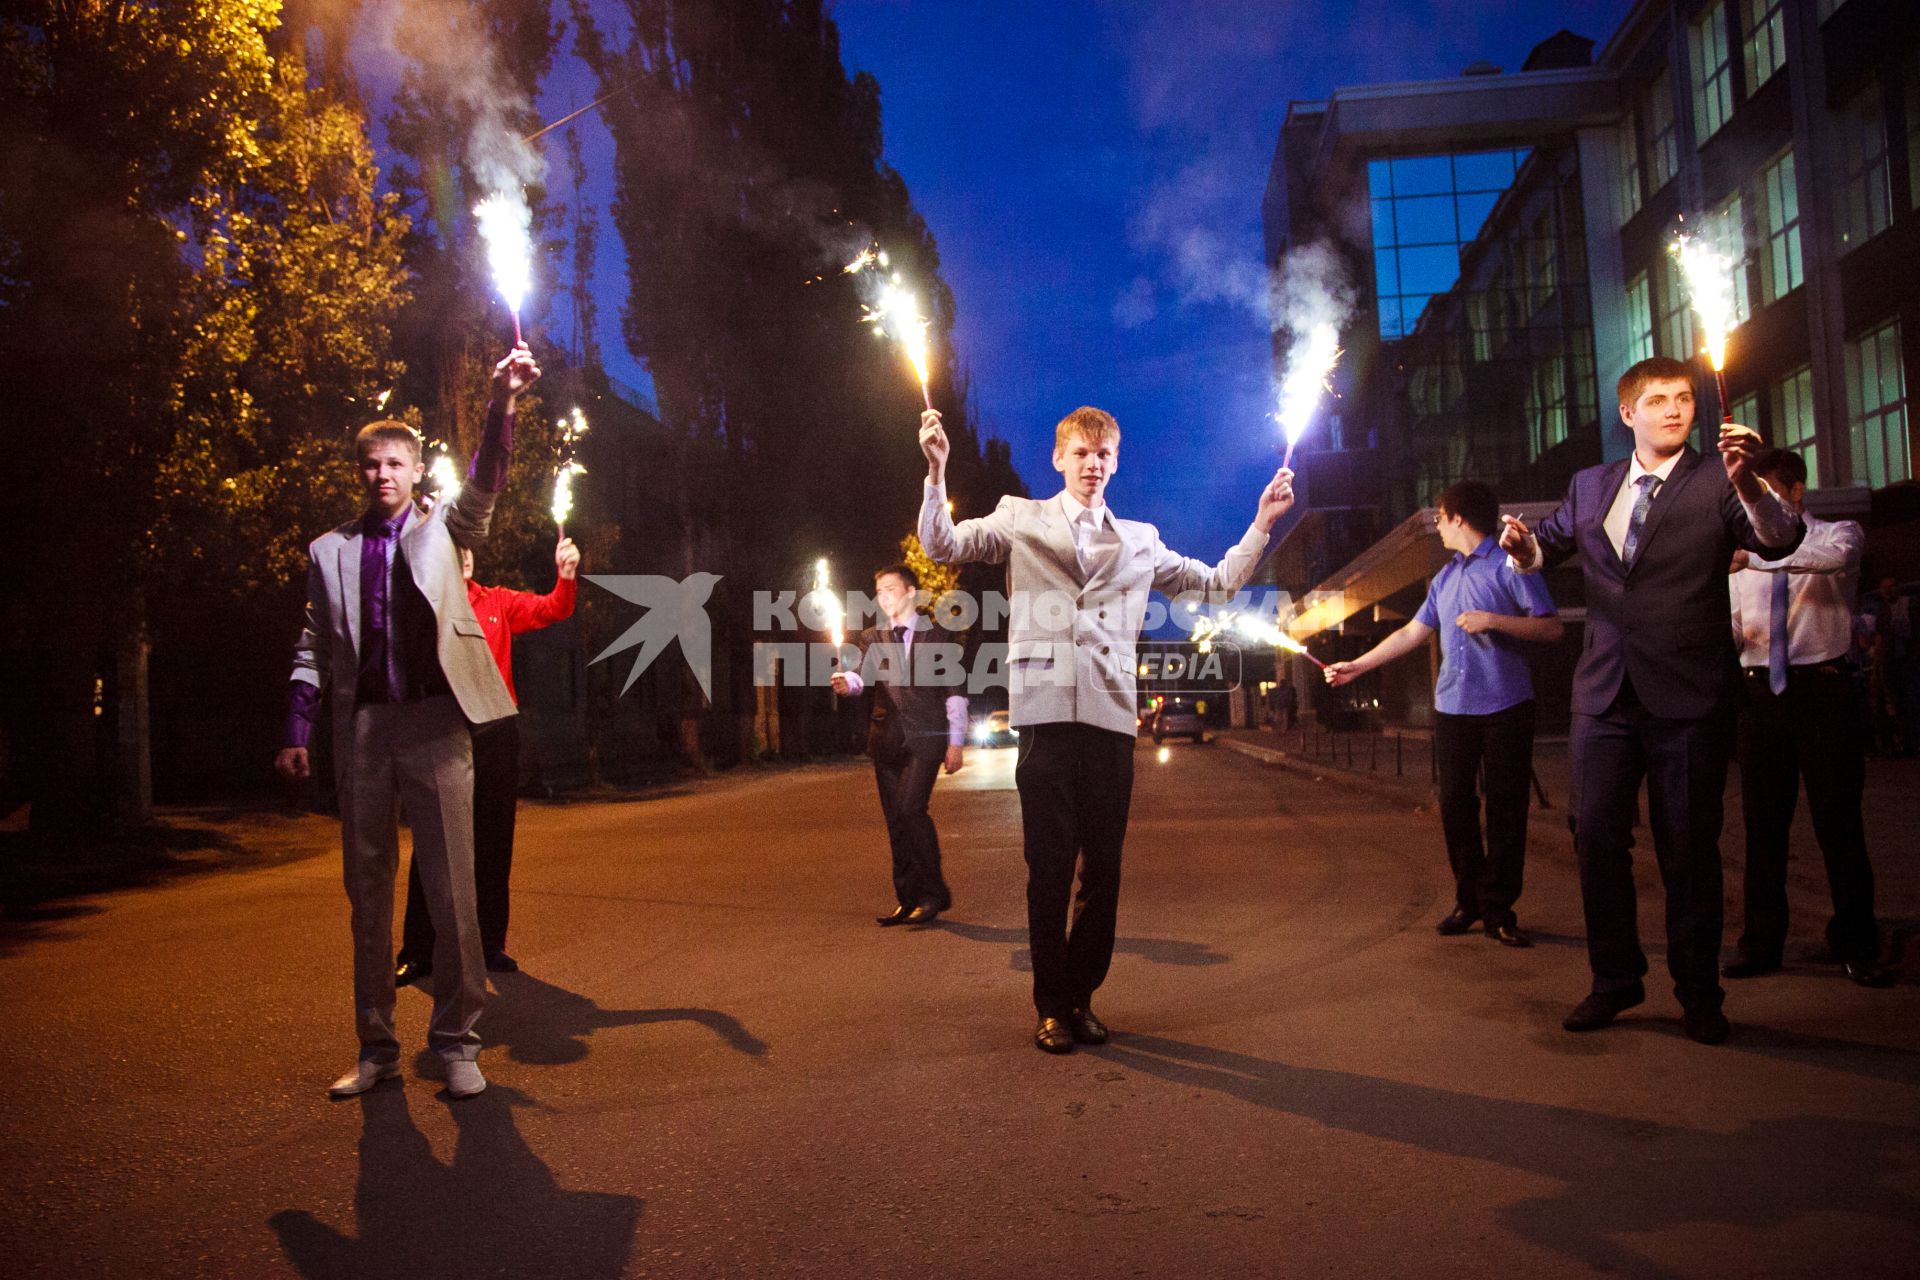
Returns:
point(1078, 578)
point(390, 634)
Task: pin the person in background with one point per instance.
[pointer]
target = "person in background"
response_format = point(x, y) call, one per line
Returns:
point(1799, 722)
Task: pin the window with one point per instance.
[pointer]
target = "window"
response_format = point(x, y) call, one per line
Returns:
point(1676, 321)
point(1826, 8)
point(1864, 198)
point(1779, 220)
point(1877, 408)
point(1639, 320)
point(1424, 209)
point(1712, 75)
point(1766, 42)
point(1728, 229)
point(1547, 406)
point(1663, 143)
point(1792, 399)
point(1629, 143)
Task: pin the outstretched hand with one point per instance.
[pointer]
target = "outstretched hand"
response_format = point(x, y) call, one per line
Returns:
point(514, 374)
point(933, 443)
point(1275, 500)
point(1339, 673)
point(1517, 540)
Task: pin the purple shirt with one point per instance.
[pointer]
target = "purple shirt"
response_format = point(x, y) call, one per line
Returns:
point(399, 638)
point(1481, 674)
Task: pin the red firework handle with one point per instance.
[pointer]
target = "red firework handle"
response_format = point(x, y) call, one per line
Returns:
point(1726, 405)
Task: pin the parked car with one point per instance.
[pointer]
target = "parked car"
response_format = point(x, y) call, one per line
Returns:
point(996, 730)
point(1178, 717)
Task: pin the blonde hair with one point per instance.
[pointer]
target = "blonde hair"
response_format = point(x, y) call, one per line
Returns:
point(1095, 425)
point(391, 431)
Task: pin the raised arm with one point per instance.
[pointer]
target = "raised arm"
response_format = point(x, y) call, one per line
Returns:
point(987, 538)
point(1175, 574)
point(470, 514)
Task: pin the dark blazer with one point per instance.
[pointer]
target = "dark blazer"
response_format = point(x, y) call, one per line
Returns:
point(904, 717)
point(1666, 622)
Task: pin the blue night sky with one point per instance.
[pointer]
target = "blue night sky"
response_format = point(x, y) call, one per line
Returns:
point(1093, 174)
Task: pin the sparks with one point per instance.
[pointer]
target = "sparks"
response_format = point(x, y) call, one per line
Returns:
point(506, 225)
point(1291, 645)
point(446, 479)
point(1310, 366)
point(572, 427)
point(894, 312)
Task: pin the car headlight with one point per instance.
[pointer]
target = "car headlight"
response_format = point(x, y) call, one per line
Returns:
point(981, 733)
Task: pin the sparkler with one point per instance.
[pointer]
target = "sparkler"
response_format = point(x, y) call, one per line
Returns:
point(507, 227)
point(1709, 279)
point(572, 428)
point(1291, 645)
point(895, 312)
point(1310, 365)
point(446, 479)
point(829, 605)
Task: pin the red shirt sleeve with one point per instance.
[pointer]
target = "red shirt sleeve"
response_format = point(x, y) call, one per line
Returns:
point(528, 611)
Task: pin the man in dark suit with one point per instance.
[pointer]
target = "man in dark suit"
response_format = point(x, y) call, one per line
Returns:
point(1657, 682)
point(916, 725)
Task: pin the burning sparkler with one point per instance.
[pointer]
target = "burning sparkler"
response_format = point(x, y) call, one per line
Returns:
point(894, 312)
point(507, 226)
point(445, 477)
point(572, 428)
point(1310, 365)
point(828, 606)
point(1291, 645)
point(1708, 274)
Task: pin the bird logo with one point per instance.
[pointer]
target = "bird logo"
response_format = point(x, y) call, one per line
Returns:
point(675, 611)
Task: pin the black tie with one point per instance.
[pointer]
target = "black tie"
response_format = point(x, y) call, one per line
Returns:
point(899, 635)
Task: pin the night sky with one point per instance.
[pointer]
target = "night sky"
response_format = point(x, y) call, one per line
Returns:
point(1093, 176)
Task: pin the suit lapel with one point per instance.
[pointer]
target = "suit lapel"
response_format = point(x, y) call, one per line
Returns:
point(1060, 538)
point(349, 573)
point(1663, 499)
point(1609, 490)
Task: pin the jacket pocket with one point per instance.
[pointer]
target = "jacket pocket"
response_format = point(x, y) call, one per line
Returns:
point(469, 627)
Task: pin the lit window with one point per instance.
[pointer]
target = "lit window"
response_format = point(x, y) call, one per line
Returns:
point(1663, 141)
point(1639, 320)
point(1547, 406)
point(1792, 399)
point(1712, 74)
point(1877, 408)
point(1766, 41)
point(1676, 320)
point(1729, 231)
point(1865, 202)
point(1779, 219)
point(1629, 167)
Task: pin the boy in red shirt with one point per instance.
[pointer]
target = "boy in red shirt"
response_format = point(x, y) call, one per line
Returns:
point(503, 614)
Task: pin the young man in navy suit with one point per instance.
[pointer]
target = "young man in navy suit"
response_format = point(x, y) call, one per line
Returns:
point(1657, 682)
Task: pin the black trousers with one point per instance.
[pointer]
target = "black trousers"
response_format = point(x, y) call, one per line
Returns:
point(1684, 764)
point(1076, 785)
point(1486, 879)
point(496, 784)
point(1810, 733)
point(906, 791)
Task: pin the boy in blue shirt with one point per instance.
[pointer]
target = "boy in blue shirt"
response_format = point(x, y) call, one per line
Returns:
point(1484, 610)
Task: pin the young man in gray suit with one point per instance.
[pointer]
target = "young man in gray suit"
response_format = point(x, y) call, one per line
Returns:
point(1078, 577)
point(390, 633)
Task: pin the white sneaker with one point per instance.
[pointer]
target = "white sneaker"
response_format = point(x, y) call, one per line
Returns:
point(363, 1077)
point(464, 1079)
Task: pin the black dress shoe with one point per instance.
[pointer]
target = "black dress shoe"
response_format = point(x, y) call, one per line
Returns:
point(1456, 924)
point(408, 972)
point(1602, 1007)
point(501, 962)
point(899, 916)
point(1086, 1028)
point(1868, 972)
point(925, 913)
point(1054, 1036)
point(1509, 935)
point(1747, 965)
point(1706, 1026)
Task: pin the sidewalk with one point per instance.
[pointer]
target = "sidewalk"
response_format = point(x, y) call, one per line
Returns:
point(1398, 765)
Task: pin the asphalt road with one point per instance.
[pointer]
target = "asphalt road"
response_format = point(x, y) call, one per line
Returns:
point(714, 1064)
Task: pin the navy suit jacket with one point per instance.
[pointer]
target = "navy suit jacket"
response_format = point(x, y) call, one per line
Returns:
point(907, 718)
point(1666, 623)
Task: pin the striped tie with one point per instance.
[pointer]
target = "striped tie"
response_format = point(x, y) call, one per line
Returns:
point(1638, 520)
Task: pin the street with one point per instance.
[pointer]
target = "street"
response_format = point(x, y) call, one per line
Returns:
point(714, 1064)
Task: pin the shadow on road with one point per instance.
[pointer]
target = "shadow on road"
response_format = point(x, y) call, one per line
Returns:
point(1154, 950)
point(537, 1022)
point(1620, 1176)
point(496, 1210)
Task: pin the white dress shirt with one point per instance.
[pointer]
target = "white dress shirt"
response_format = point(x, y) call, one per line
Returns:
point(1620, 514)
point(956, 703)
point(1823, 574)
point(1094, 535)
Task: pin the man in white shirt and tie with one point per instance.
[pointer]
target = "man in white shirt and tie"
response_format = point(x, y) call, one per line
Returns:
point(916, 724)
point(1793, 624)
point(1079, 578)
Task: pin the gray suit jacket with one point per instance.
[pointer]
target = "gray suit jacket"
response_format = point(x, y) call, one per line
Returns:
point(1072, 643)
point(328, 651)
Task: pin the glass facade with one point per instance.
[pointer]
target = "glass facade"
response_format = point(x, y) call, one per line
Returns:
point(1865, 201)
point(1765, 45)
point(1793, 419)
point(1424, 209)
point(1781, 270)
point(1877, 408)
point(1712, 72)
point(1639, 319)
point(1663, 143)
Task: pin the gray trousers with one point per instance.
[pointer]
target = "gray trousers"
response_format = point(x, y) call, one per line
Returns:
point(416, 757)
